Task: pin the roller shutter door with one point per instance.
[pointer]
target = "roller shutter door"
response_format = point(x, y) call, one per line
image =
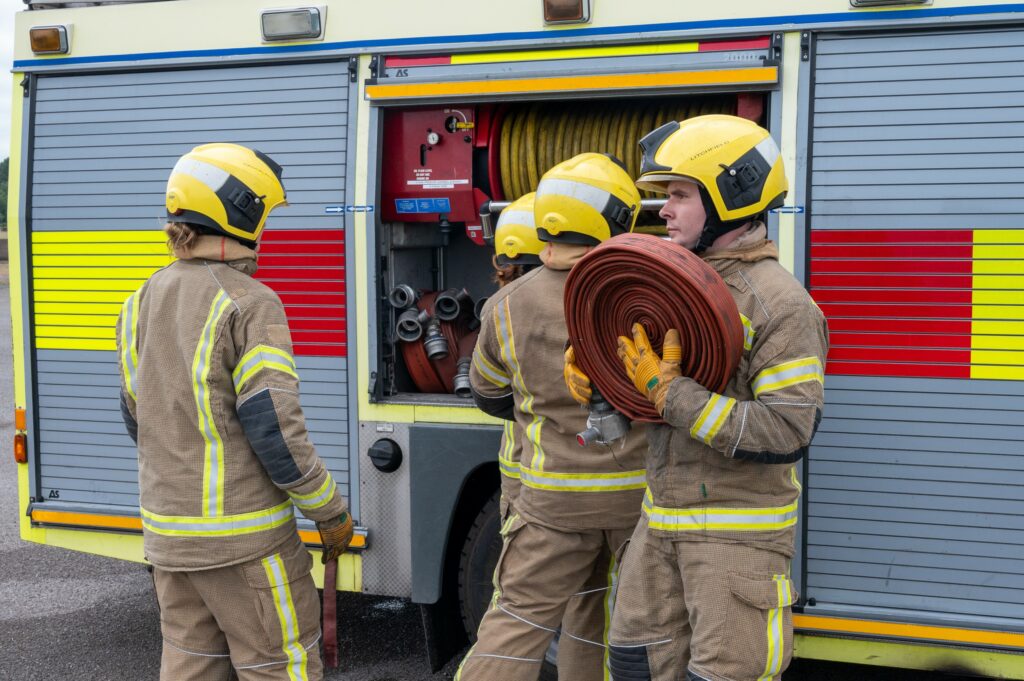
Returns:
point(103, 147)
point(917, 258)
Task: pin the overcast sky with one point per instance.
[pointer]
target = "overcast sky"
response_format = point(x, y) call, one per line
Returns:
point(7, 10)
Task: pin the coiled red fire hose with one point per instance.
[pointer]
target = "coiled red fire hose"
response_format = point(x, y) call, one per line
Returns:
point(639, 278)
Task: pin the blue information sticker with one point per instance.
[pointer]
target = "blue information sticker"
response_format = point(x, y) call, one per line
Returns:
point(423, 205)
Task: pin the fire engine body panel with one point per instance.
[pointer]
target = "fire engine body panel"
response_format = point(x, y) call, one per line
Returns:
point(901, 130)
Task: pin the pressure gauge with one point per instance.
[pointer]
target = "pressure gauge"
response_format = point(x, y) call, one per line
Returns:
point(433, 138)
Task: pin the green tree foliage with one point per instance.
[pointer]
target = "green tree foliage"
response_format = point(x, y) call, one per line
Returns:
point(4, 165)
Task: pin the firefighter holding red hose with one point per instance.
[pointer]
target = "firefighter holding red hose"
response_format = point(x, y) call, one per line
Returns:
point(705, 582)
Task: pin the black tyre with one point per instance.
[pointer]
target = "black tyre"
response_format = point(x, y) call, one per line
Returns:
point(476, 573)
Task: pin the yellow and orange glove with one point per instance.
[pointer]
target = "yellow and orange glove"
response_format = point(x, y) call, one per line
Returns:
point(650, 373)
point(335, 535)
point(576, 381)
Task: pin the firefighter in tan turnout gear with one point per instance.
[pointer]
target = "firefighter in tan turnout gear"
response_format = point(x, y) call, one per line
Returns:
point(705, 581)
point(210, 394)
point(517, 252)
point(575, 503)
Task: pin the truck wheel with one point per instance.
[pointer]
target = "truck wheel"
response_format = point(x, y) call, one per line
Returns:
point(476, 573)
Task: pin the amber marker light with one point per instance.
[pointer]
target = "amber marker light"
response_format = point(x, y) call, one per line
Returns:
point(49, 39)
point(20, 448)
point(566, 11)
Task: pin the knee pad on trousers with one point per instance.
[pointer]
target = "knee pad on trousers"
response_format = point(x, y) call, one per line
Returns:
point(690, 676)
point(629, 663)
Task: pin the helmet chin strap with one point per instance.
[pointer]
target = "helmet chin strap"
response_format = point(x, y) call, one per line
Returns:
point(713, 225)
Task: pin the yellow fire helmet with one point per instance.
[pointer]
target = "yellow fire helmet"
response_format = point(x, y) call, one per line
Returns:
point(586, 200)
point(226, 188)
point(734, 161)
point(515, 236)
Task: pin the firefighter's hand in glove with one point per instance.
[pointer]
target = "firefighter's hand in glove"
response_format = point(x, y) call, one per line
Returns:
point(335, 535)
point(651, 374)
point(577, 381)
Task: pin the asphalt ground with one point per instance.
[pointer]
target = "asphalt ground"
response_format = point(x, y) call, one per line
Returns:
point(68, 615)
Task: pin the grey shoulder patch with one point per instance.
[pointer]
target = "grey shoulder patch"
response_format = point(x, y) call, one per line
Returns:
point(263, 430)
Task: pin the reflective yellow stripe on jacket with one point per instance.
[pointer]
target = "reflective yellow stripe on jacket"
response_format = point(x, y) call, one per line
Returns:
point(297, 657)
point(130, 344)
point(786, 374)
point(728, 519)
point(213, 450)
point(507, 342)
point(493, 374)
point(748, 332)
point(711, 418)
point(223, 526)
point(582, 482)
point(259, 358)
point(314, 500)
point(509, 467)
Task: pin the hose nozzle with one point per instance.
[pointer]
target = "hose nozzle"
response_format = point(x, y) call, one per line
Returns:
point(403, 296)
point(435, 343)
point(462, 387)
point(409, 326)
point(604, 424)
point(450, 303)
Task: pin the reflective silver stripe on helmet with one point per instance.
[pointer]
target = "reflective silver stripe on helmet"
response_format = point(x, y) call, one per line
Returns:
point(516, 217)
point(769, 150)
point(596, 198)
point(210, 175)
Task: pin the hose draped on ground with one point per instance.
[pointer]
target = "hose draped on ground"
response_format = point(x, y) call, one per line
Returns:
point(638, 278)
point(535, 137)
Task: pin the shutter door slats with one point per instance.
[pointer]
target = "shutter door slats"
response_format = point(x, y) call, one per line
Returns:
point(105, 144)
point(916, 258)
point(898, 90)
point(920, 443)
point(1011, 508)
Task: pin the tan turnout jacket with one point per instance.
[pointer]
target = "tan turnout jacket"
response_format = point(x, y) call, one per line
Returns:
point(210, 393)
point(723, 469)
point(518, 357)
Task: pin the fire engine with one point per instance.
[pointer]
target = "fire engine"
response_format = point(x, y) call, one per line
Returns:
point(902, 128)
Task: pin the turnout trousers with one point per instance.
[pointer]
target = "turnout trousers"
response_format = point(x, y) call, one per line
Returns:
point(547, 577)
point(701, 611)
point(261, 617)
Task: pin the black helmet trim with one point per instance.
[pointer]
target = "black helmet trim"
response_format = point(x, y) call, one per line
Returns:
point(618, 214)
point(567, 237)
point(274, 167)
point(244, 208)
point(205, 225)
point(713, 225)
point(525, 259)
point(651, 143)
point(616, 160)
point(742, 183)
